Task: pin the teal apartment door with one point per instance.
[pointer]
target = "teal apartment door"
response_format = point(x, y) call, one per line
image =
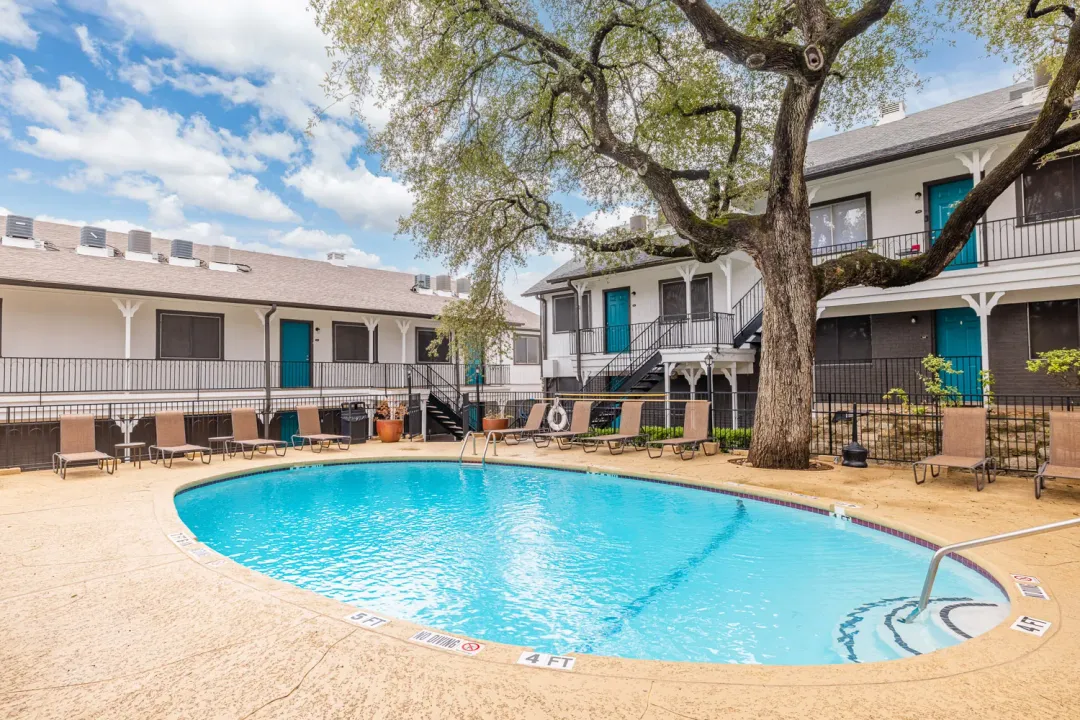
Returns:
point(616, 320)
point(295, 354)
point(942, 199)
point(959, 340)
point(474, 370)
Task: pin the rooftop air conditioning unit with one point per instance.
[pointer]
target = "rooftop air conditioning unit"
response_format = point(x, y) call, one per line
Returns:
point(442, 284)
point(182, 252)
point(140, 247)
point(336, 258)
point(221, 258)
point(463, 286)
point(422, 282)
point(92, 242)
point(639, 223)
point(19, 232)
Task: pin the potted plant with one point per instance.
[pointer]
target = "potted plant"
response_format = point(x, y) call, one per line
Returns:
point(496, 419)
point(388, 420)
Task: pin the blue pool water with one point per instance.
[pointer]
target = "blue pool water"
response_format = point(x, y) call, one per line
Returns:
point(568, 562)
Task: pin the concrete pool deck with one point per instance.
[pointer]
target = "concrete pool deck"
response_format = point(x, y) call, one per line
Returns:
point(103, 616)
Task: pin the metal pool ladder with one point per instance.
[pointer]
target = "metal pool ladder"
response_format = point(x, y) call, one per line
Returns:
point(487, 441)
point(931, 572)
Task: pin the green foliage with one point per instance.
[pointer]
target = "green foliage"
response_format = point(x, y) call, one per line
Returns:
point(986, 382)
point(905, 401)
point(1061, 365)
point(727, 437)
point(935, 370)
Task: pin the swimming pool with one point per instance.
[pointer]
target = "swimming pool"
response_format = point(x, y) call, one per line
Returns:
point(569, 563)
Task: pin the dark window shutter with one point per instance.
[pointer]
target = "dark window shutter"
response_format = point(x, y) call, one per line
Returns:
point(1053, 325)
point(673, 299)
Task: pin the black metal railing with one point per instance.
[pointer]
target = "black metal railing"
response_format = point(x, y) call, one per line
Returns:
point(711, 329)
point(639, 348)
point(1012, 238)
point(747, 310)
point(25, 375)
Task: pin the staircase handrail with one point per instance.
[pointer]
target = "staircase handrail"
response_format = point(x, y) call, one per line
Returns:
point(749, 306)
point(635, 359)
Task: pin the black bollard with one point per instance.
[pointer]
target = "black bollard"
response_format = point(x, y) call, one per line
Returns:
point(854, 453)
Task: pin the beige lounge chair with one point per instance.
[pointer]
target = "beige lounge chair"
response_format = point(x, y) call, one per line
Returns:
point(695, 434)
point(963, 445)
point(579, 425)
point(245, 436)
point(172, 440)
point(310, 431)
point(531, 427)
point(77, 446)
point(1064, 459)
point(629, 431)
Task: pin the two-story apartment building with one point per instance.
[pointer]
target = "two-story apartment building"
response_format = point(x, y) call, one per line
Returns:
point(88, 316)
point(1012, 292)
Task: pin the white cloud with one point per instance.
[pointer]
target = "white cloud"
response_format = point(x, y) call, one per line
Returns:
point(4, 211)
point(350, 190)
point(21, 175)
point(14, 28)
point(313, 240)
point(960, 83)
point(88, 45)
point(124, 141)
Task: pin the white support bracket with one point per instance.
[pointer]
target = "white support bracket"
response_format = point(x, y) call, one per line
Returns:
point(372, 324)
point(403, 326)
point(687, 272)
point(692, 375)
point(725, 267)
point(983, 307)
point(126, 425)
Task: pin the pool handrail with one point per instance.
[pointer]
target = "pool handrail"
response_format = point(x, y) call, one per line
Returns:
point(931, 572)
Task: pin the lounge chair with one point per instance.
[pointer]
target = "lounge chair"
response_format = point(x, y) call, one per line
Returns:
point(963, 445)
point(531, 427)
point(1064, 459)
point(77, 446)
point(695, 433)
point(629, 431)
point(310, 431)
point(246, 436)
point(579, 425)
point(172, 440)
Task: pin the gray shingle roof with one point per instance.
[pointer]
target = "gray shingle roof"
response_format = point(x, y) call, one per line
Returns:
point(998, 112)
point(287, 281)
point(574, 269)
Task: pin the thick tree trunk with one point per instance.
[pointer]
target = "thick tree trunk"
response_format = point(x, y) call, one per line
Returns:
point(782, 418)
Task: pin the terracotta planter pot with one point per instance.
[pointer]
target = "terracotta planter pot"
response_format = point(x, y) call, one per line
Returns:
point(389, 431)
point(496, 424)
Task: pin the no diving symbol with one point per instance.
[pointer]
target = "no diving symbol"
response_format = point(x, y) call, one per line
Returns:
point(470, 647)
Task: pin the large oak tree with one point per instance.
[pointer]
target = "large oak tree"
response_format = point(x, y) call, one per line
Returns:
point(700, 110)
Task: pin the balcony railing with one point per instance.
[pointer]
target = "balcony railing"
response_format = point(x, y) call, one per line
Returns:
point(697, 330)
point(22, 375)
point(993, 241)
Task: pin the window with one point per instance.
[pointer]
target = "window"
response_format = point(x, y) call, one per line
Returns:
point(586, 310)
point(563, 309)
point(424, 337)
point(846, 339)
point(351, 343)
point(1053, 325)
point(1051, 191)
point(673, 298)
point(842, 224)
point(526, 350)
point(190, 336)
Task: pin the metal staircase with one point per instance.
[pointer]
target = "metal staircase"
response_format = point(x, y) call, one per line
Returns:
point(748, 315)
point(444, 404)
point(633, 371)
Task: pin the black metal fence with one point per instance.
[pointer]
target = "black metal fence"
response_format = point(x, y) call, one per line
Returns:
point(41, 376)
point(880, 375)
point(673, 331)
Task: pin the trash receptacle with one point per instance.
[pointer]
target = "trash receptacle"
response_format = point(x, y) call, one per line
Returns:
point(354, 421)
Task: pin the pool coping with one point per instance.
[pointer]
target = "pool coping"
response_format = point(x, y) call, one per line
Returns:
point(989, 649)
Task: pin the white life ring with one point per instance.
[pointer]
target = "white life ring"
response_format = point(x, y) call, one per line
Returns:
point(557, 418)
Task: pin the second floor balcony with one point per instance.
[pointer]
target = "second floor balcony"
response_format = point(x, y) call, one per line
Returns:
point(993, 241)
point(57, 376)
point(698, 330)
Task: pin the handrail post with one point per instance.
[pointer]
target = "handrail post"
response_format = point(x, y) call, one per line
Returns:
point(943, 552)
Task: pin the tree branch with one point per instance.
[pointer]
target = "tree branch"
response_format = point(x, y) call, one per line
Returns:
point(766, 54)
point(1034, 12)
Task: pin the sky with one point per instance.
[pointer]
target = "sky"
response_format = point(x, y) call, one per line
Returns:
point(188, 119)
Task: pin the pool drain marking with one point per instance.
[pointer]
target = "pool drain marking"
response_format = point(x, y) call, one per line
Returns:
point(1031, 626)
point(617, 622)
point(1030, 590)
point(1030, 579)
point(367, 620)
point(546, 661)
point(447, 642)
